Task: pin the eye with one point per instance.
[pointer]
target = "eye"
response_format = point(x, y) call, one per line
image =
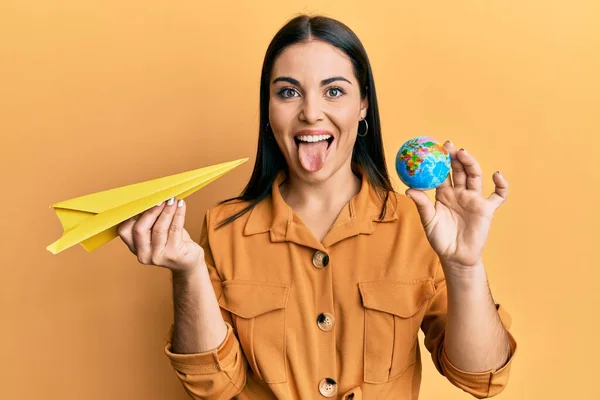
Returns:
point(287, 93)
point(335, 92)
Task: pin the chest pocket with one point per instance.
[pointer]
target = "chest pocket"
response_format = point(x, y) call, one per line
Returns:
point(393, 314)
point(258, 314)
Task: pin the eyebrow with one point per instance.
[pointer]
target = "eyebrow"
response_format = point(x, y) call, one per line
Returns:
point(323, 82)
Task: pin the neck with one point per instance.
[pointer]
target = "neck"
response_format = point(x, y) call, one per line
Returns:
point(334, 192)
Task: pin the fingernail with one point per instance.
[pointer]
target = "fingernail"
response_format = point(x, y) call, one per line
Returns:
point(171, 201)
point(160, 204)
point(463, 150)
point(449, 142)
point(498, 172)
point(180, 203)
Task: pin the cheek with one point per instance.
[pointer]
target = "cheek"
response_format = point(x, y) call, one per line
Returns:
point(346, 120)
point(279, 123)
point(278, 117)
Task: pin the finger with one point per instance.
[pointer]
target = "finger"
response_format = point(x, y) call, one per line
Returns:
point(498, 197)
point(142, 233)
point(124, 231)
point(459, 176)
point(472, 169)
point(160, 230)
point(176, 228)
point(424, 206)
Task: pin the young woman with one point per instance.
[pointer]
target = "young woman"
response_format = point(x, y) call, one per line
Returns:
point(315, 282)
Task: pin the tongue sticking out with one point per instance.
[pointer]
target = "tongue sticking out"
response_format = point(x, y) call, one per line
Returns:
point(312, 155)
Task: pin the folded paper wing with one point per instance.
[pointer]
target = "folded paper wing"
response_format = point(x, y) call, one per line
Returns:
point(92, 220)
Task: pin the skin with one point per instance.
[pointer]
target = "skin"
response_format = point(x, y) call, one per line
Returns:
point(307, 105)
point(304, 97)
point(457, 227)
point(157, 237)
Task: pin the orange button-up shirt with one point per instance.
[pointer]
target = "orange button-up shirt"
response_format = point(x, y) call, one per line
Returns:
point(332, 319)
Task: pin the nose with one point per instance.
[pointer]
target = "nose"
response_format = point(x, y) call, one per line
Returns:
point(311, 110)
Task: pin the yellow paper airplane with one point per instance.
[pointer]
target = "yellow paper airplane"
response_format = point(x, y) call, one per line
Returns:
point(92, 220)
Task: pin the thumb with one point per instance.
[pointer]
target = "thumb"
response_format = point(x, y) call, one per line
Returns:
point(424, 206)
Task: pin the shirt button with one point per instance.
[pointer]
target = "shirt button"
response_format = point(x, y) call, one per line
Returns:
point(328, 387)
point(325, 321)
point(320, 259)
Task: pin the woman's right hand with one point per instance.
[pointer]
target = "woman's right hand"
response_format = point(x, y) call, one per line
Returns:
point(157, 237)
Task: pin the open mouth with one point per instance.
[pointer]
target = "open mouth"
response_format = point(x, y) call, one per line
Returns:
point(313, 139)
point(313, 148)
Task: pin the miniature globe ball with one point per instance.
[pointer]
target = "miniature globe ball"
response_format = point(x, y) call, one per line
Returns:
point(423, 163)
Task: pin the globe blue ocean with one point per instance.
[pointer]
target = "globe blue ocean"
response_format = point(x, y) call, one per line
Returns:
point(423, 163)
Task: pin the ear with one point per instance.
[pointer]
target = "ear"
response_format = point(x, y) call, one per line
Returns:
point(364, 106)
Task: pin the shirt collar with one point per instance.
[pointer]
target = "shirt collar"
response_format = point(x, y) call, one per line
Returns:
point(359, 216)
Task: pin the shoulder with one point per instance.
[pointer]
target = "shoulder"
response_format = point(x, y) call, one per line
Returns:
point(400, 200)
point(404, 221)
point(401, 207)
point(410, 227)
point(216, 215)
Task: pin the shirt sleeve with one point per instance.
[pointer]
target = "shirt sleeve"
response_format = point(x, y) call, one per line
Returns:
point(479, 384)
point(217, 374)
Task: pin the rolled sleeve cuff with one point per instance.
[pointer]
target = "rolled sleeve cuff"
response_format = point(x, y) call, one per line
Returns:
point(482, 384)
point(208, 362)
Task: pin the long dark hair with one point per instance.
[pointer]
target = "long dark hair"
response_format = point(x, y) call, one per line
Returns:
point(368, 156)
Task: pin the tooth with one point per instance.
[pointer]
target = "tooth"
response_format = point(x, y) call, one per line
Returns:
point(313, 138)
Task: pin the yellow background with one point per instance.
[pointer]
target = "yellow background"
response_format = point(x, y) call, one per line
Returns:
point(99, 94)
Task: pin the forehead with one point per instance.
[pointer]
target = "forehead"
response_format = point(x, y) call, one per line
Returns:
point(313, 60)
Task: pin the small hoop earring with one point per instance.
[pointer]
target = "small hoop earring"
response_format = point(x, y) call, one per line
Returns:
point(366, 128)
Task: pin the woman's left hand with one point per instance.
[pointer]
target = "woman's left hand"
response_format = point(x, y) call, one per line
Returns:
point(458, 225)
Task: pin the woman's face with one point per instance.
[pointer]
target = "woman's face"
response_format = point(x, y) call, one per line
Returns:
point(315, 108)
